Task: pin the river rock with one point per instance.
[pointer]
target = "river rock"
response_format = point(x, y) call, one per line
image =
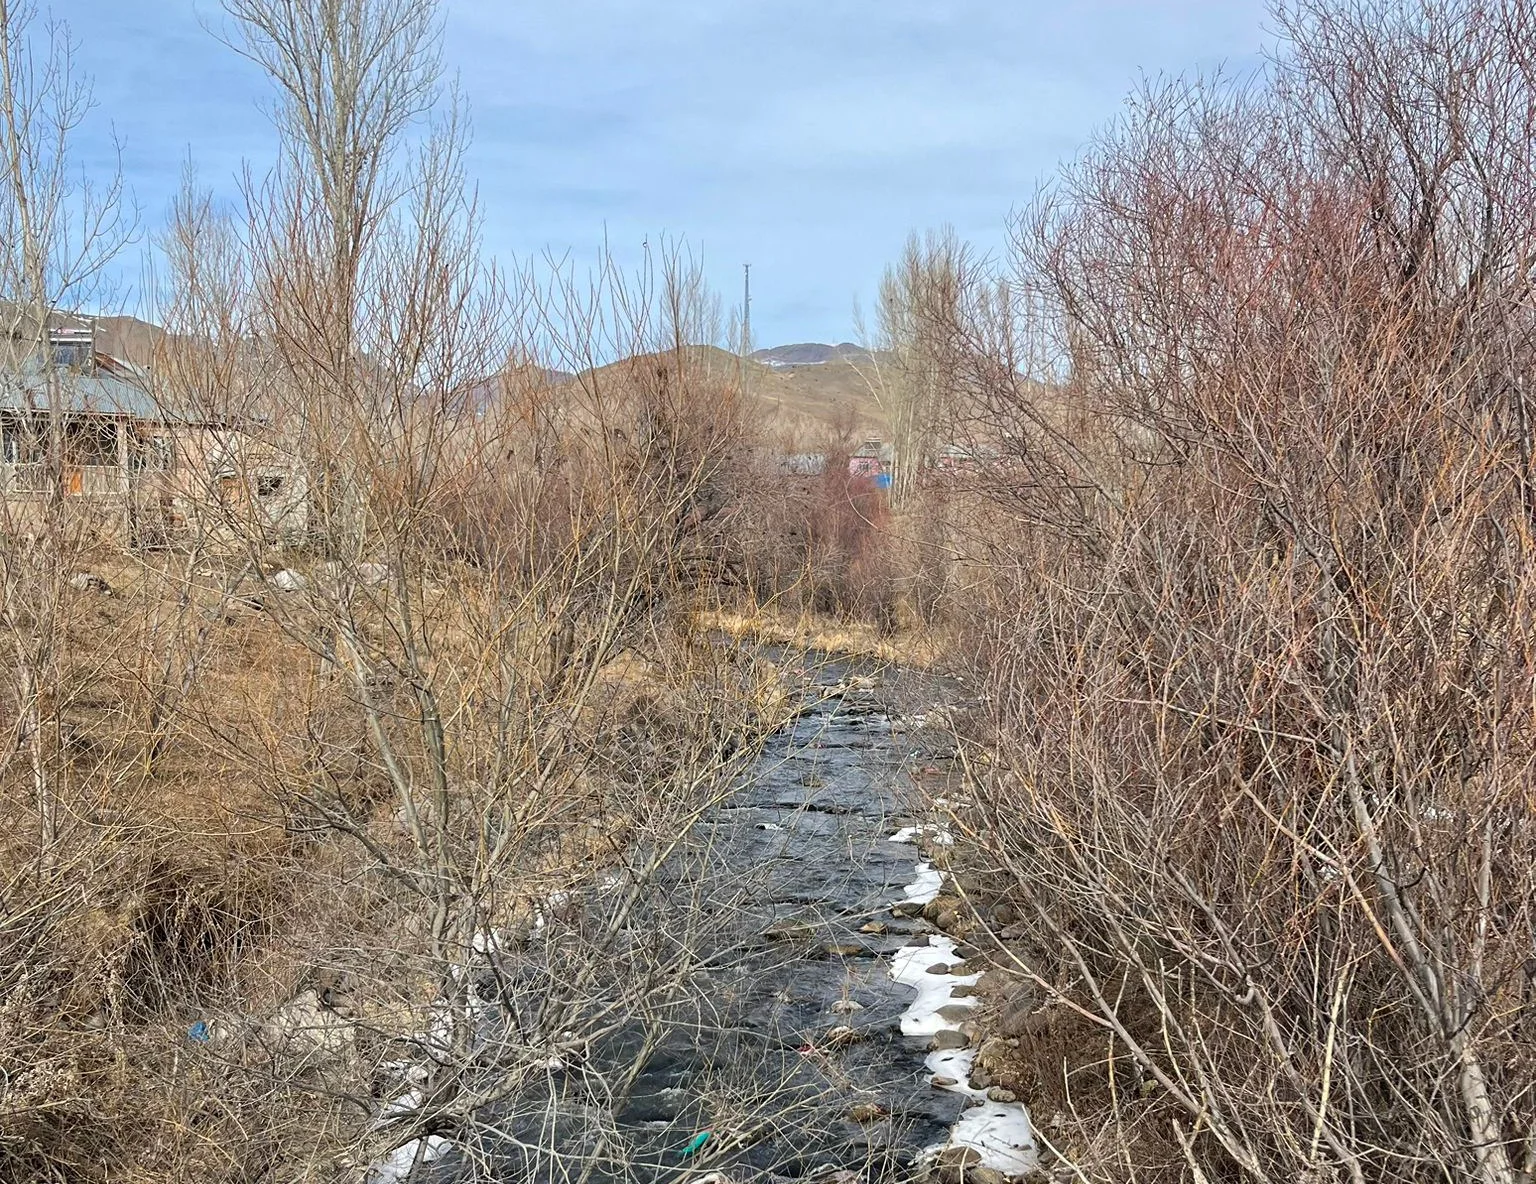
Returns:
point(846, 1006)
point(938, 905)
point(961, 991)
point(947, 1038)
point(938, 967)
point(942, 1082)
point(1002, 1096)
point(993, 1053)
point(954, 1162)
point(948, 920)
point(1015, 1016)
point(985, 1175)
point(1004, 914)
point(788, 930)
point(907, 908)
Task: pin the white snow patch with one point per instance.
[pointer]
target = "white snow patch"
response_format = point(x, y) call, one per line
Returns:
point(1000, 1134)
point(956, 1063)
point(404, 1104)
point(614, 878)
point(288, 580)
point(926, 886)
point(937, 835)
point(396, 1166)
point(910, 967)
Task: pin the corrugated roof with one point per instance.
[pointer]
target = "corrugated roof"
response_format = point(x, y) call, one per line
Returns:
point(101, 391)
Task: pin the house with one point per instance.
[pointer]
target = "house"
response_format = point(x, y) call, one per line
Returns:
point(963, 458)
point(141, 471)
point(873, 459)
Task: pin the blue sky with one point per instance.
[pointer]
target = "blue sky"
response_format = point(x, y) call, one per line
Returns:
point(807, 137)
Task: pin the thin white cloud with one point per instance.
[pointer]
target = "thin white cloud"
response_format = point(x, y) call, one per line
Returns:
point(806, 135)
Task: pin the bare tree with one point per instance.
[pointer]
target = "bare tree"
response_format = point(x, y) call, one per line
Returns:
point(910, 367)
point(60, 234)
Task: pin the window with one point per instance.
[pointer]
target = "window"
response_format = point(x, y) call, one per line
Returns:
point(72, 355)
point(151, 452)
point(90, 440)
point(269, 486)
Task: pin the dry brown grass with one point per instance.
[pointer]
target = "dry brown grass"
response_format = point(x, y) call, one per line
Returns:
point(919, 648)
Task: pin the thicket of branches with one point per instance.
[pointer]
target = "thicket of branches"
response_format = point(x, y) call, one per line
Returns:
point(323, 779)
point(1259, 638)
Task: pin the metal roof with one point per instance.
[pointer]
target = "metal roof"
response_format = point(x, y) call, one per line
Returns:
point(101, 391)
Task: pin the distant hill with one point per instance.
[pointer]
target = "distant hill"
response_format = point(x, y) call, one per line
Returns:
point(810, 387)
point(811, 353)
point(800, 401)
point(804, 389)
point(128, 338)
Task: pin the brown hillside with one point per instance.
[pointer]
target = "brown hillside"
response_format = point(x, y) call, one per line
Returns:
point(801, 402)
point(798, 401)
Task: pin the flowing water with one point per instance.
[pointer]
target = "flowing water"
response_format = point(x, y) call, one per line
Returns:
point(787, 1049)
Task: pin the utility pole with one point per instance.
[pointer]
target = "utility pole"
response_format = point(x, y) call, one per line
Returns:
point(746, 322)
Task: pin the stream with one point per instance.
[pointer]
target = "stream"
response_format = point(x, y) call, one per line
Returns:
point(786, 1061)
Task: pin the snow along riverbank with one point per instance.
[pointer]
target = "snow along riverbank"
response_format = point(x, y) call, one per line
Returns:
point(999, 1133)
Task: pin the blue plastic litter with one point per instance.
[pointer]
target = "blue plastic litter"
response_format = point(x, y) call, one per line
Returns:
point(695, 1144)
point(200, 1031)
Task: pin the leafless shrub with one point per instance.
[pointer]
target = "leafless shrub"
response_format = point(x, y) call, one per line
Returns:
point(1256, 648)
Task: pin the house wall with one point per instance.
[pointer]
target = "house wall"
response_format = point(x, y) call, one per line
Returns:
point(164, 481)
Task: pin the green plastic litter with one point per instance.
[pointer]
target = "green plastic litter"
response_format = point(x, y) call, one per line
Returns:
point(695, 1144)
